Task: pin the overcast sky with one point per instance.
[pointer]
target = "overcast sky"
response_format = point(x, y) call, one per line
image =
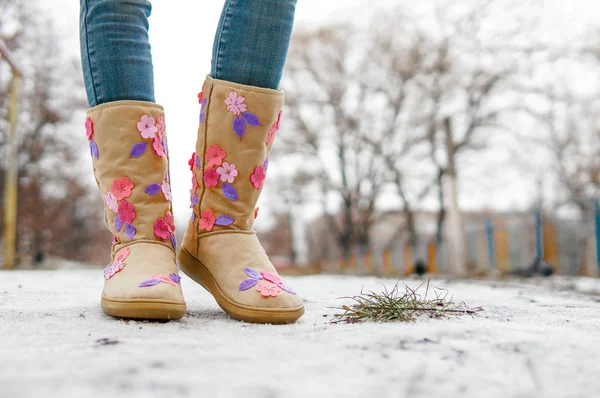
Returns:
point(182, 33)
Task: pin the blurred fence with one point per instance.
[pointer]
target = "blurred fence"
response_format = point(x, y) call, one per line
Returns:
point(507, 246)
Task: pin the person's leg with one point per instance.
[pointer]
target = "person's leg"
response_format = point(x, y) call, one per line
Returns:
point(127, 137)
point(240, 112)
point(252, 40)
point(115, 51)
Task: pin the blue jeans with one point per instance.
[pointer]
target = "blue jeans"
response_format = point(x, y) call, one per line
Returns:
point(250, 46)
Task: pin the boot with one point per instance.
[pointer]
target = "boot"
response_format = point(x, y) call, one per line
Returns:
point(129, 152)
point(220, 250)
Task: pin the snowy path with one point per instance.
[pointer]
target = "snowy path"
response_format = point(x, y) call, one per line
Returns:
point(529, 342)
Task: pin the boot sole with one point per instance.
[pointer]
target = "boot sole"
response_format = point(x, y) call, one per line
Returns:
point(198, 272)
point(143, 309)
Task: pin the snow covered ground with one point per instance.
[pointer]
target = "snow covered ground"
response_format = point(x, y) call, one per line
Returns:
point(531, 341)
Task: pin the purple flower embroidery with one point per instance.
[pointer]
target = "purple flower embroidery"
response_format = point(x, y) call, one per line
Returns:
point(138, 150)
point(149, 282)
point(165, 187)
point(175, 278)
point(202, 114)
point(94, 149)
point(230, 192)
point(269, 286)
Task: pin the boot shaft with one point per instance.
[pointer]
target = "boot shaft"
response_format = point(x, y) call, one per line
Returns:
point(129, 152)
point(237, 126)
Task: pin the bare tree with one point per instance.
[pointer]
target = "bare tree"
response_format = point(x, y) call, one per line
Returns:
point(325, 105)
point(54, 213)
point(466, 77)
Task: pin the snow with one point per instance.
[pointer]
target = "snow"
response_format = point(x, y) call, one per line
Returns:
point(532, 340)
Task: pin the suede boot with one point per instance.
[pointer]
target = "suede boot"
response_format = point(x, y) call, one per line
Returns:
point(220, 250)
point(129, 152)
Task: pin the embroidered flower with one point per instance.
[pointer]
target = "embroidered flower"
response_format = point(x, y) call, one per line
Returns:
point(172, 279)
point(166, 189)
point(200, 96)
point(121, 188)
point(149, 282)
point(161, 229)
point(215, 155)
point(111, 201)
point(235, 103)
point(203, 101)
point(258, 176)
point(170, 221)
point(89, 129)
point(122, 255)
point(126, 211)
point(207, 221)
point(164, 279)
point(175, 278)
point(255, 212)
point(89, 132)
point(161, 127)
point(147, 127)
point(194, 184)
point(273, 130)
point(158, 147)
point(112, 269)
point(268, 289)
point(211, 177)
point(271, 277)
point(191, 161)
point(270, 284)
point(228, 172)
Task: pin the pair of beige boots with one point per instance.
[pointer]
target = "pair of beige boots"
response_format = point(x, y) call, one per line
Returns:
point(220, 251)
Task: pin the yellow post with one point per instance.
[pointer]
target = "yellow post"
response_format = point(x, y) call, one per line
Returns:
point(10, 187)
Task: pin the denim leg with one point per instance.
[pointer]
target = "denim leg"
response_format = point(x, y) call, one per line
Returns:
point(115, 51)
point(252, 40)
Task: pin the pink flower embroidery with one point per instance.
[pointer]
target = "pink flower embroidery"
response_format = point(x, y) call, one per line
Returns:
point(207, 221)
point(89, 129)
point(194, 184)
point(157, 146)
point(271, 277)
point(258, 176)
point(161, 127)
point(170, 221)
point(166, 189)
point(273, 130)
point(111, 201)
point(211, 177)
point(191, 161)
point(161, 229)
point(122, 255)
point(215, 155)
point(147, 127)
point(165, 279)
point(267, 289)
point(227, 172)
point(121, 188)
point(235, 103)
point(126, 211)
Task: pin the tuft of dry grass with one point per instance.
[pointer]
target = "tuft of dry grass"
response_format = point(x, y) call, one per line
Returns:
point(406, 306)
